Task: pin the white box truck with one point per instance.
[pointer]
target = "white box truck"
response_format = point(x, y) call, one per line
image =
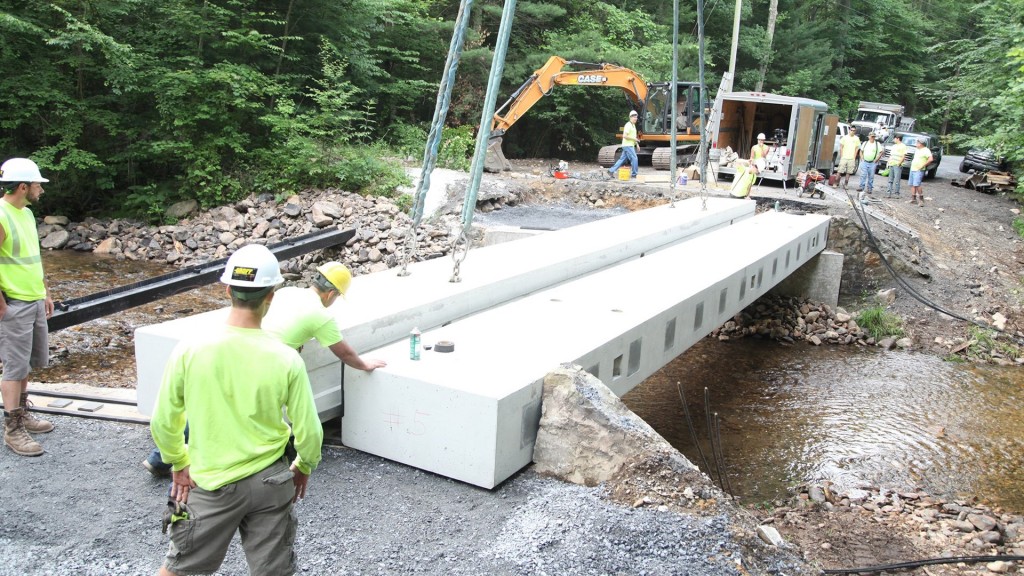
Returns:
point(800, 133)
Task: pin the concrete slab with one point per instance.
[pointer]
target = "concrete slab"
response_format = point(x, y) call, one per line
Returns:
point(383, 307)
point(472, 414)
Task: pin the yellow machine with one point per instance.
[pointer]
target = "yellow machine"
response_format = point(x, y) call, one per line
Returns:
point(652, 101)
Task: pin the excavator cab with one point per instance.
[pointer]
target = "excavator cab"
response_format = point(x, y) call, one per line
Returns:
point(657, 118)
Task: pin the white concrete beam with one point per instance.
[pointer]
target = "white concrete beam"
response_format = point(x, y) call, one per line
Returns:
point(472, 414)
point(381, 308)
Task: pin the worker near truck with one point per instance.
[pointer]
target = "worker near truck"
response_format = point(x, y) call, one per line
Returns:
point(297, 316)
point(922, 157)
point(629, 141)
point(232, 383)
point(895, 166)
point(24, 305)
point(759, 151)
point(849, 149)
point(745, 179)
point(870, 152)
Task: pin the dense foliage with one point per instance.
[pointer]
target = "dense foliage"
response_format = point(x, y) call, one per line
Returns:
point(132, 104)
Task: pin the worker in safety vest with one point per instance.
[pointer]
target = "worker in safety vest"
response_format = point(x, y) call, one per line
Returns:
point(745, 179)
point(759, 151)
point(922, 157)
point(297, 316)
point(629, 141)
point(895, 166)
point(233, 384)
point(24, 305)
point(870, 152)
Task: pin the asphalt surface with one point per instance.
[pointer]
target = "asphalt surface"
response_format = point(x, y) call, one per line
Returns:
point(88, 507)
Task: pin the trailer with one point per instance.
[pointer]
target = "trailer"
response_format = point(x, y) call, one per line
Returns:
point(799, 131)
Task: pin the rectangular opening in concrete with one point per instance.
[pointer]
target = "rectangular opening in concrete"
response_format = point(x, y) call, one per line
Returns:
point(698, 316)
point(670, 335)
point(743, 290)
point(617, 367)
point(798, 252)
point(775, 267)
point(635, 349)
point(760, 276)
point(723, 298)
point(752, 278)
point(787, 260)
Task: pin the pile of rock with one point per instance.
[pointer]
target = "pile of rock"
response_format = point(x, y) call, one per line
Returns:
point(948, 525)
point(381, 231)
point(791, 320)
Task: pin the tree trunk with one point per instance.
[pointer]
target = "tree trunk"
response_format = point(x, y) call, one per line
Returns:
point(773, 15)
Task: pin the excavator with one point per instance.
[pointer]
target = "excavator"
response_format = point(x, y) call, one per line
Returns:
point(652, 101)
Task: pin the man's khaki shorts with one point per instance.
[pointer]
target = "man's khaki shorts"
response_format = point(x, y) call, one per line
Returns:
point(848, 166)
point(24, 340)
point(260, 507)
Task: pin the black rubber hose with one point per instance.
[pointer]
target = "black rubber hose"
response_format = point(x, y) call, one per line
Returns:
point(919, 563)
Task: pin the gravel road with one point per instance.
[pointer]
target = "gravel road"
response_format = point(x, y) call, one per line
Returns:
point(88, 507)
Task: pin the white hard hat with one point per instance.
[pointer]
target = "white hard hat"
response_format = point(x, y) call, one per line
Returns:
point(760, 136)
point(633, 113)
point(759, 164)
point(20, 170)
point(253, 266)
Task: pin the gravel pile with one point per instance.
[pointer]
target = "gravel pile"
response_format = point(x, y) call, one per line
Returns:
point(87, 506)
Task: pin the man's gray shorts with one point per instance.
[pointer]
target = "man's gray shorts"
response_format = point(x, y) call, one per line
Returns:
point(24, 341)
point(259, 507)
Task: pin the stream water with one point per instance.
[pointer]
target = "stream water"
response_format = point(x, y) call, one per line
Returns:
point(788, 414)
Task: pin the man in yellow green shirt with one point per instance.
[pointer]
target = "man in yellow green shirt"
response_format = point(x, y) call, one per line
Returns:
point(922, 156)
point(232, 385)
point(629, 141)
point(849, 149)
point(25, 303)
point(897, 154)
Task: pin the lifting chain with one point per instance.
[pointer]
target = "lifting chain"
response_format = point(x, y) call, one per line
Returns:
point(408, 250)
point(459, 255)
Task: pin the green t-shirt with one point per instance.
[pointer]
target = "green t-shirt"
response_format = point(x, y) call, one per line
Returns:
point(922, 156)
point(296, 315)
point(231, 384)
point(848, 146)
point(21, 265)
point(629, 134)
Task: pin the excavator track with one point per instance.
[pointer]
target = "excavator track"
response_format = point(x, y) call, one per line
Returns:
point(607, 155)
point(662, 157)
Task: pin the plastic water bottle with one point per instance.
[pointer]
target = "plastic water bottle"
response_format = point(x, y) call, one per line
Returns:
point(414, 344)
point(776, 205)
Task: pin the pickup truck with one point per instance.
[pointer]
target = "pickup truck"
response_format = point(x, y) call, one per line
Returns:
point(910, 139)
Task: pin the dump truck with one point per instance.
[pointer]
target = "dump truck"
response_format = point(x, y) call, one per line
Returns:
point(651, 100)
point(800, 133)
point(882, 119)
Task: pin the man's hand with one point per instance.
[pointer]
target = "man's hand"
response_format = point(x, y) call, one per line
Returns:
point(181, 483)
point(373, 364)
point(48, 306)
point(3, 307)
point(300, 480)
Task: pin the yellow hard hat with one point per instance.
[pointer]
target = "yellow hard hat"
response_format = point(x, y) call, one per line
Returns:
point(337, 274)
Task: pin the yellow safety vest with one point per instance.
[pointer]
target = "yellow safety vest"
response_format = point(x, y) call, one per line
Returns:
point(21, 266)
point(758, 152)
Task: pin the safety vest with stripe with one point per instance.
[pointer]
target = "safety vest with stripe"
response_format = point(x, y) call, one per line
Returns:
point(21, 266)
point(629, 135)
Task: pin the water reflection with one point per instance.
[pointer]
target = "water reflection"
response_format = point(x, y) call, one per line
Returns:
point(855, 416)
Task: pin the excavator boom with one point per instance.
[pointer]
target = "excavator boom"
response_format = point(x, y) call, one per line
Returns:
point(551, 74)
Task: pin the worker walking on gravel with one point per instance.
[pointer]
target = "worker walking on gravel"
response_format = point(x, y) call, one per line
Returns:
point(629, 141)
point(897, 154)
point(24, 305)
point(297, 316)
point(849, 149)
point(922, 157)
point(232, 383)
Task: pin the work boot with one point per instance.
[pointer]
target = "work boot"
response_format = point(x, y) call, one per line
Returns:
point(16, 437)
point(33, 424)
